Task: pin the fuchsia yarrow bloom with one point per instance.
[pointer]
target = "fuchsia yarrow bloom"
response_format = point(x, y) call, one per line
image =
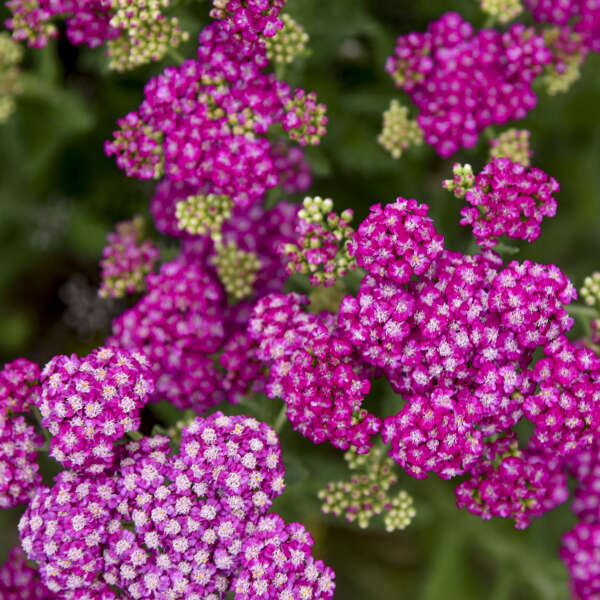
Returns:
point(249, 19)
point(508, 199)
point(206, 120)
point(463, 81)
point(584, 13)
point(19, 390)
point(277, 564)
point(126, 260)
point(18, 581)
point(178, 324)
point(88, 403)
point(397, 241)
point(167, 527)
point(512, 483)
point(314, 371)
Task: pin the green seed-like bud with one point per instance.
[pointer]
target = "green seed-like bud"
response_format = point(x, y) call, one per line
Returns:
point(288, 43)
point(11, 54)
point(502, 11)
point(512, 144)
point(462, 182)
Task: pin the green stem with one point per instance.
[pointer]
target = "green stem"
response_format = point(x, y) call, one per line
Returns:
point(37, 415)
point(582, 311)
point(280, 420)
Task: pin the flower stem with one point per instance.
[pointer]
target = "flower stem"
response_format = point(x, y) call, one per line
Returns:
point(174, 54)
point(280, 420)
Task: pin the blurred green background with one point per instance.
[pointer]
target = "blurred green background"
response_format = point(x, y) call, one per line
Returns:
point(59, 196)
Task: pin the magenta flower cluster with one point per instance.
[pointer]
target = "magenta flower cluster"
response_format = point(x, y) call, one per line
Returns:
point(462, 81)
point(508, 199)
point(87, 21)
point(162, 526)
point(126, 260)
point(19, 581)
point(583, 14)
point(19, 474)
point(204, 123)
point(89, 403)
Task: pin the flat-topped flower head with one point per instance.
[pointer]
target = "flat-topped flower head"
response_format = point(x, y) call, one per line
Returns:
point(126, 260)
point(88, 403)
point(514, 145)
point(397, 241)
point(19, 581)
point(506, 198)
point(277, 564)
point(399, 132)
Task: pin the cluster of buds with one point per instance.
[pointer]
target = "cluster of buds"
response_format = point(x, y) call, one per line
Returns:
point(305, 120)
point(322, 248)
point(203, 214)
point(568, 54)
point(502, 11)
point(590, 291)
point(513, 144)
point(367, 493)
point(126, 260)
point(237, 269)
point(288, 43)
point(399, 132)
point(11, 54)
point(146, 34)
point(462, 180)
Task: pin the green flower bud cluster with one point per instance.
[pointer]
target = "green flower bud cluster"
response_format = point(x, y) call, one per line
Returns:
point(288, 43)
point(512, 144)
point(590, 291)
point(147, 34)
point(367, 493)
point(11, 54)
point(462, 181)
point(322, 250)
point(399, 132)
point(236, 268)
point(204, 215)
point(502, 11)
point(565, 70)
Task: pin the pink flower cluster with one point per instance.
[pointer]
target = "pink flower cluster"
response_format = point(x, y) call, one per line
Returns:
point(18, 581)
point(508, 199)
point(203, 123)
point(89, 403)
point(19, 390)
point(163, 526)
point(397, 241)
point(126, 260)
point(315, 371)
point(250, 20)
point(584, 13)
point(512, 483)
point(178, 324)
point(463, 81)
point(88, 21)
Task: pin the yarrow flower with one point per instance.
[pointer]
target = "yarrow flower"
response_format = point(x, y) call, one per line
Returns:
point(18, 581)
point(506, 198)
point(177, 324)
point(513, 483)
point(304, 119)
point(314, 371)
point(396, 241)
point(88, 403)
point(162, 525)
point(202, 215)
point(277, 564)
point(462, 81)
point(321, 251)
point(19, 391)
point(126, 260)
